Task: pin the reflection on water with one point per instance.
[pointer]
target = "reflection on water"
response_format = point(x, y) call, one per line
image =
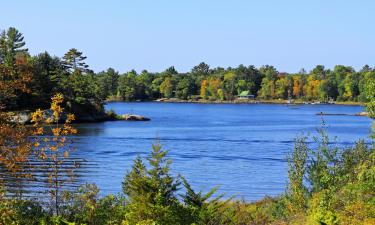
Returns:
point(241, 148)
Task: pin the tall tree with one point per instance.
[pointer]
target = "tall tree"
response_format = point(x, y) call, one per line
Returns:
point(74, 60)
point(11, 44)
point(47, 75)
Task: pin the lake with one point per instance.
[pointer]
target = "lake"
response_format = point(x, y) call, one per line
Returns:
point(241, 148)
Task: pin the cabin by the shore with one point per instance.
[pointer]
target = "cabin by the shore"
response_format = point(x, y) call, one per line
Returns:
point(246, 95)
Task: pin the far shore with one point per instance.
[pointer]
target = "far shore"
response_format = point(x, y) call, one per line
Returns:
point(242, 101)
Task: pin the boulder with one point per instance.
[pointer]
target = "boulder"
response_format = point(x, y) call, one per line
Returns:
point(362, 114)
point(22, 117)
point(134, 117)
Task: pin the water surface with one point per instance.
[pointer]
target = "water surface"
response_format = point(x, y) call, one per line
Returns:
point(239, 147)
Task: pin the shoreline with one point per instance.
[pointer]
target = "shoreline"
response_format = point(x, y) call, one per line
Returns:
point(274, 101)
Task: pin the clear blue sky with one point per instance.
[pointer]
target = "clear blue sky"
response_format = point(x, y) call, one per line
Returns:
point(156, 34)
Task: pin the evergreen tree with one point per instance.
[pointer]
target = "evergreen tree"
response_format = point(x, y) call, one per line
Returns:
point(11, 44)
point(151, 193)
point(74, 60)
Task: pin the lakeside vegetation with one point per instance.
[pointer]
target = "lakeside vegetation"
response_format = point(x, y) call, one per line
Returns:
point(327, 184)
point(86, 90)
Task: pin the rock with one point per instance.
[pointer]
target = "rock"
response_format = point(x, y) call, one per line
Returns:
point(362, 114)
point(161, 99)
point(22, 117)
point(134, 117)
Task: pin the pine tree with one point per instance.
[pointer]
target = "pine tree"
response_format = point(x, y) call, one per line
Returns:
point(11, 44)
point(151, 193)
point(73, 60)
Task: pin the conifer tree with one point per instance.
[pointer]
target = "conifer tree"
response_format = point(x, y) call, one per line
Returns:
point(151, 193)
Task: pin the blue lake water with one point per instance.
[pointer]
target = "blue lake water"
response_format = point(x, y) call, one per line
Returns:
point(239, 147)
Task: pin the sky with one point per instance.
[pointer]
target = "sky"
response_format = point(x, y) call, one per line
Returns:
point(157, 34)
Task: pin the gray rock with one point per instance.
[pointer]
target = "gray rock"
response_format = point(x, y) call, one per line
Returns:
point(134, 117)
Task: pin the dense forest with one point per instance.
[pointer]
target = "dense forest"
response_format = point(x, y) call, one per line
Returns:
point(327, 183)
point(71, 76)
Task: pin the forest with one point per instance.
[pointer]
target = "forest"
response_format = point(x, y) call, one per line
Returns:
point(71, 76)
point(327, 183)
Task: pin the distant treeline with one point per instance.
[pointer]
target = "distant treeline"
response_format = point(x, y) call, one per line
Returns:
point(70, 75)
point(342, 83)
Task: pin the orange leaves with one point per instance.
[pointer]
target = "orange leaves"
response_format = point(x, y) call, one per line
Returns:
point(56, 131)
point(297, 83)
point(70, 118)
point(39, 131)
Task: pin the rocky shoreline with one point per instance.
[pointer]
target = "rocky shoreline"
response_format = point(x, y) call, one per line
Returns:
point(25, 116)
point(240, 101)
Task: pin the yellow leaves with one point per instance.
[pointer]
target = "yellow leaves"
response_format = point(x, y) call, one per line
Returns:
point(36, 144)
point(203, 90)
point(39, 131)
point(57, 99)
point(68, 129)
point(49, 120)
point(55, 105)
point(70, 118)
point(56, 131)
point(37, 116)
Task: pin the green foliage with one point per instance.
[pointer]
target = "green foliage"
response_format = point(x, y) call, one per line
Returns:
point(341, 182)
point(127, 86)
point(151, 193)
point(205, 208)
point(297, 164)
point(166, 87)
point(87, 208)
point(11, 44)
point(370, 93)
point(74, 60)
point(70, 75)
point(107, 82)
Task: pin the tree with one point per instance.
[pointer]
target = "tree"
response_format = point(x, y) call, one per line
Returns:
point(268, 82)
point(203, 91)
point(215, 88)
point(312, 88)
point(107, 83)
point(297, 86)
point(47, 72)
point(144, 85)
point(151, 193)
point(297, 169)
point(204, 208)
point(74, 60)
point(166, 87)
point(185, 88)
point(53, 151)
point(11, 44)
point(281, 88)
point(370, 94)
point(230, 84)
point(201, 69)
point(126, 86)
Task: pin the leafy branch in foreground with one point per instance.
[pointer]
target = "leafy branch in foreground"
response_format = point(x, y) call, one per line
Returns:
point(52, 148)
